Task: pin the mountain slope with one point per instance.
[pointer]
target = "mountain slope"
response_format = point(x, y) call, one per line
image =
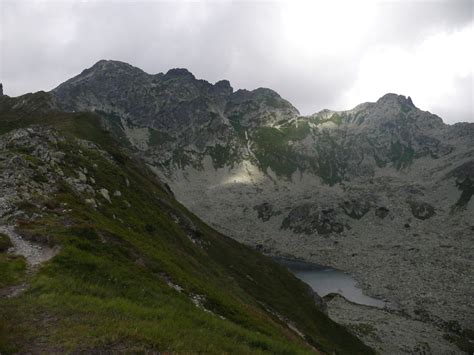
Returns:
point(103, 258)
point(383, 191)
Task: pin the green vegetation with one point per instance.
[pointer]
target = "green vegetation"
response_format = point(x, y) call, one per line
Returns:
point(222, 156)
point(5, 242)
point(463, 338)
point(273, 150)
point(359, 118)
point(239, 129)
point(181, 158)
point(107, 289)
point(295, 131)
point(331, 161)
point(467, 188)
point(328, 169)
point(158, 138)
point(401, 155)
point(336, 118)
point(12, 267)
point(114, 125)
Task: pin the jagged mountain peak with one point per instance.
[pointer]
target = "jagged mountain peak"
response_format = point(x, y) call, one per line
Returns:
point(395, 99)
point(267, 97)
point(112, 66)
point(390, 109)
point(103, 63)
point(259, 91)
point(224, 87)
point(103, 73)
point(179, 73)
point(390, 101)
point(169, 102)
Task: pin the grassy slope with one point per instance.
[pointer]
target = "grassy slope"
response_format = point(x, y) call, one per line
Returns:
point(105, 289)
point(12, 267)
point(272, 149)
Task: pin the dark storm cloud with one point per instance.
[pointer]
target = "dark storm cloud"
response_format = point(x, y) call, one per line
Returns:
point(252, 44)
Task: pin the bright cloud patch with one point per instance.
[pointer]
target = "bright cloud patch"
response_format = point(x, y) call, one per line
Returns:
point(438, 70)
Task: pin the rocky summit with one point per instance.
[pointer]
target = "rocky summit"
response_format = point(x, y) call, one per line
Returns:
point(382, 191)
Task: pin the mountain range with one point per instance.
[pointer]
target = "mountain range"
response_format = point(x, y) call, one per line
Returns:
point(382, 191)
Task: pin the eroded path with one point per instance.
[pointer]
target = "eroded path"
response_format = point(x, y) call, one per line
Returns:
point(34, 254)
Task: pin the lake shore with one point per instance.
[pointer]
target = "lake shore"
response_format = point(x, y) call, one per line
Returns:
point(326, 280)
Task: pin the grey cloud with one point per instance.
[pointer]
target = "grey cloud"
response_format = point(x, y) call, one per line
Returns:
point(460, 107)
point(406, 21)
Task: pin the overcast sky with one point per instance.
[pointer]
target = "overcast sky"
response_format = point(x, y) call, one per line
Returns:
point(316, 54)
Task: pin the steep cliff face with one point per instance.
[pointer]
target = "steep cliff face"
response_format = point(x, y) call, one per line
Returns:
point(382, 190)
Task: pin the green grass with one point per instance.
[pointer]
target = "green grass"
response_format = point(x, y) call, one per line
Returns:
point(158, 138)
point(105, 289)
point(222, 156)
point(114, 125)
point(272, 149)
point(335, 118)
point(295, 131)
point(12, 269)
point(401, 155)
point(5, 242)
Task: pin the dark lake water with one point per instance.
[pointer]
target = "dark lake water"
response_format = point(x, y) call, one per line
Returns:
point(324, 280)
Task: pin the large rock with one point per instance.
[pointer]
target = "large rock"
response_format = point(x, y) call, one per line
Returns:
point(421, 210)
point(265, 211)
point(311, 218)
point(356, 208)
point(382, 212)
